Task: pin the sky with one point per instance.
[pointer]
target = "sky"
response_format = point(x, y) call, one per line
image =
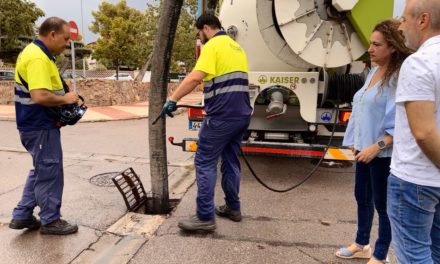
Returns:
point(71, 10)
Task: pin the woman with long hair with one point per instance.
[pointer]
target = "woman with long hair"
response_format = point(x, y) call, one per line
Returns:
point(370, 135)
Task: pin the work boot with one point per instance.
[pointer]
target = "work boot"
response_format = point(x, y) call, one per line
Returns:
point(58, 227)
point(31, 223)
point(225, 211)
point(195, 224)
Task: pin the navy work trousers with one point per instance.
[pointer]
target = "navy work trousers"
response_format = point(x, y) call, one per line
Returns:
point(44, 184)
point(218, 138)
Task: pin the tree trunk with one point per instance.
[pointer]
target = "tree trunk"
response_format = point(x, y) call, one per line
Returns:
point(117, 71)
point(163, 46)
point(65, 64)
point(144, 69)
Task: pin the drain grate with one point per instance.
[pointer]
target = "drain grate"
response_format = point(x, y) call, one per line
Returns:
point(131, 188)
point(103, 179)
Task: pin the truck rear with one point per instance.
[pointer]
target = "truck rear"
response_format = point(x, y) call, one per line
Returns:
point(306, 61)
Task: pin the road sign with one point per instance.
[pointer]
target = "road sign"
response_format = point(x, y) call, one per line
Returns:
point(73, 36)
point(73, 30)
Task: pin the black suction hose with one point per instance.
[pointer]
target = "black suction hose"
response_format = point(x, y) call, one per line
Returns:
point(305, 178)
point(252, 170)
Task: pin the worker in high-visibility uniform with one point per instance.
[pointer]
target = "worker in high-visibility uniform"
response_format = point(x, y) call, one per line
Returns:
point(38, 88)
point(223, 67)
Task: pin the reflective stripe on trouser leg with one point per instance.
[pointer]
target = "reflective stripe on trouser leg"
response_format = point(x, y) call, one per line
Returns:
point(45, 148)
point(214, 136)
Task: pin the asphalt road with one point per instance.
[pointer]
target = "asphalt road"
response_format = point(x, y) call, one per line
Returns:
point(305, 225)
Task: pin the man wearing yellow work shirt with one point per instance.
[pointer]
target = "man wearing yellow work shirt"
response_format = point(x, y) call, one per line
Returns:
point(223, 67)
point(38, 88)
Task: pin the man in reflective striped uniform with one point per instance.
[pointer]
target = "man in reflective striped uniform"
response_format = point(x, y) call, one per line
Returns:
point(39, 87)
point(223, 68)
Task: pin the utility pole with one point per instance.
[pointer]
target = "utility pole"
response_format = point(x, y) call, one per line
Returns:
point(160, 61)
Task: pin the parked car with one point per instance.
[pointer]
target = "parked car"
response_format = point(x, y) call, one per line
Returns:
point(6, 75)
point(122, 77)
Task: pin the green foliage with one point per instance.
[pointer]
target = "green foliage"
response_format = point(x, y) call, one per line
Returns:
point(184, 49)
point(127, 35)
point(17, 19)
point(123, 34)
point(217, 9)
point(183, 57)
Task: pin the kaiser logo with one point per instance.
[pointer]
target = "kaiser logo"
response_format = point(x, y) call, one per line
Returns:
point(262, 79)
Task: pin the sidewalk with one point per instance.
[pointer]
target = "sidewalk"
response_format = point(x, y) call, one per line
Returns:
point(300, 227)
point(108, 113)
point(304, 226)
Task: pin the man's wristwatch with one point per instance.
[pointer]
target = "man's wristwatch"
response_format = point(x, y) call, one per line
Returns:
point(382, 145)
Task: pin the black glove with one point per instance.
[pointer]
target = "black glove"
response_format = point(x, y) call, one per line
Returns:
point(169, 107)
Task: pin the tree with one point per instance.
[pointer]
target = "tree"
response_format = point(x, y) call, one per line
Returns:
point(185, 35)
point(64, 60)
point(122, 31)
point(17, 22)
point(185, 49)
point(212, 4)
point(163, 45)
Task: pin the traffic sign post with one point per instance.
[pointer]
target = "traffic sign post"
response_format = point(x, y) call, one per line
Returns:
point(73, 36)
point(74, 32)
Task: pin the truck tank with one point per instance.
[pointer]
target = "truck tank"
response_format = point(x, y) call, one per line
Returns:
point(298, 53)
point(296, 35)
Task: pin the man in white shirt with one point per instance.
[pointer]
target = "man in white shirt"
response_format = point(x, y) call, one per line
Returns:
point(414, 183)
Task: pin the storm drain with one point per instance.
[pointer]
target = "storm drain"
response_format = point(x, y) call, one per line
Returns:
point(131, 189)
point(130, 186)
point(103, 179)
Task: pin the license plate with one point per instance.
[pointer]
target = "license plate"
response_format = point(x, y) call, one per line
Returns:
point(194, 125)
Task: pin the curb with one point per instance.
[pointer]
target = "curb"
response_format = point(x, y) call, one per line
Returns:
point(124, 238)
point(178, 112)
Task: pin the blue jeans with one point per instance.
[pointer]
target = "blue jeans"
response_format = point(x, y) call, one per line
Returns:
point(218, 138)
point(371, 192)
point(44, 184)
point(414, 212)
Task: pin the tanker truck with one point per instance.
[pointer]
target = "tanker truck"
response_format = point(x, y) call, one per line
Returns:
point(306, 61)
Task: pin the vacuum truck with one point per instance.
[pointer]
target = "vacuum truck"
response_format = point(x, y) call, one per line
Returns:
point(307, 58)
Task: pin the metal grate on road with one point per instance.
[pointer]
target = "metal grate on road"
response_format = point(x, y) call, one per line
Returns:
point(131, 189)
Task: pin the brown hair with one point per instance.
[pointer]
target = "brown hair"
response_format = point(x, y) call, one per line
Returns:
point(394, 38)
point(52, 24)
